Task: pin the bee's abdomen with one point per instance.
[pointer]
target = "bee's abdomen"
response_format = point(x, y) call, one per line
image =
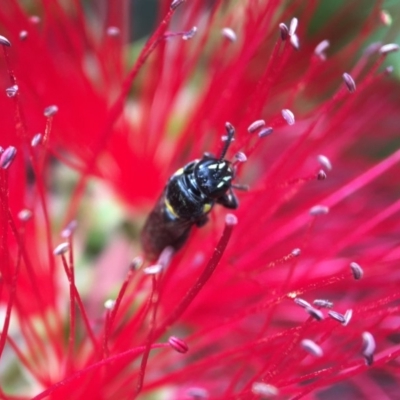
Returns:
point(163, 229)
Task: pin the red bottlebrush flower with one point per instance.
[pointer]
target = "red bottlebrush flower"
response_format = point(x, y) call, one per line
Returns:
point(295, 294)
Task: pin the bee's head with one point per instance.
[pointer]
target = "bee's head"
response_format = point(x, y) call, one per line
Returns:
point(213, 176)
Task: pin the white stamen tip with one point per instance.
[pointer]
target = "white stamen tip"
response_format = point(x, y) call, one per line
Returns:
point(260, 123)
point(229, 34)
point(293, 26)
point(109, 304)
point(61, 249)
point(389, 48)
point(153, 269)
point(50, 111)
point(356, 270)
point(264, 390)
point(231, 219)
point(324, 162)
point(311, 347)
point(288, 116)
point(319, 210)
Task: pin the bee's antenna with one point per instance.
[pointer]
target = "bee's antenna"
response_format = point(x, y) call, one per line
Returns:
point(230, 131)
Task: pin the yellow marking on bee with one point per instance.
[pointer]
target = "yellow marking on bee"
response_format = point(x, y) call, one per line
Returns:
point(179, 172)
point(206, 208)
point(170, 208)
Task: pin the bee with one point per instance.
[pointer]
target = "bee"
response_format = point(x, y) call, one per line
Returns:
point(187, 199)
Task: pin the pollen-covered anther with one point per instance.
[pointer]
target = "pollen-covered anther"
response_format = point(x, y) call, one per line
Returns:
point(385, 17)
point(320, 49)
point(36, 140)
point(109, 304)
point(316, 314)
point(323, 303)
point(240, 156)
point(296, 252)
point(4, 41)
point(231, 220)
point(288, 116)
point(337, 316)
point(321, 175)
point(25, 215)
point(175, 4)
point(389, 48)
point(153, 269)
point(311, 347)
point(294, 23)
point(113, 31)
point(368, 348)
point(356, 270)
point(136, 263)
point(254, 126)
point(69, 229)
point(301, 302)
point(265, 132)
point(50, 111)
point(325, 162)
point(23, 35)
point(284, 31)
point(229, 34)
point(178, 344)
point(319, 210)
point(61, 249)
point(264, 390)
point(349, 82)
point(189, 34)
point(12, 91)
point(7, 157)
point(295, 42)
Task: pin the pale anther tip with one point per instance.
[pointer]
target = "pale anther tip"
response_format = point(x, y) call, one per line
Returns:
point(319, 210)
point(264, 390)
point(50, 111)
point(61, 249)
point(254, 126)
point(229, 34)
point(153, 269)
point(284, 30)
point(349, 82)
point(109, 304)
point(7, 157)
point(325, 162)
point(389, 48)
point(288, 116)
point(4, 41)
point(25, 215)
point(231, 219)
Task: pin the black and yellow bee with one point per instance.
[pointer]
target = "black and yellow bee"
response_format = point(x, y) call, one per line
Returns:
point(187, 199)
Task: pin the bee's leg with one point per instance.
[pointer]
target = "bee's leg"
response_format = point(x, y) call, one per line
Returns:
point(229, 200)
